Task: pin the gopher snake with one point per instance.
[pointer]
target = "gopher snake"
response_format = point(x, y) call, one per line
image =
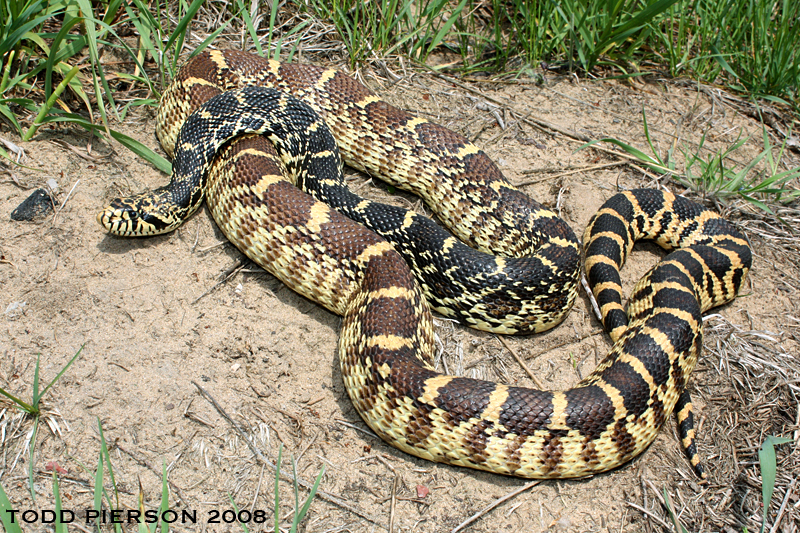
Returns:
point(387, 340)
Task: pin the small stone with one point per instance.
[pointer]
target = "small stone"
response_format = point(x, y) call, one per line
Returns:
point(15, 310)
point(36, 205)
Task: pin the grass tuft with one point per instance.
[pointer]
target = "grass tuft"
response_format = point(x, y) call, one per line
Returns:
point(33, 409)
point(712, 176)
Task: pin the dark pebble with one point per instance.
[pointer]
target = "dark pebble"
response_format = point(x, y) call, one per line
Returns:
point(36, 205)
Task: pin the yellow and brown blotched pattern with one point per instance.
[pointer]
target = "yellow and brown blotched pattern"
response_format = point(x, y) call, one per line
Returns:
point(387, 340)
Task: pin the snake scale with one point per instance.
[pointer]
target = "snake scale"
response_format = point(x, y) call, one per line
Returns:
point(387, 340)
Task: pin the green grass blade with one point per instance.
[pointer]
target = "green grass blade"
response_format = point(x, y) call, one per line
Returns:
point(180, 29)
point(296, 495)
point(6, 112)
point(98, 487)
point(51, 55)
point(248, 23)
point(7, 71)
point(36, 396)
point(678, 526)
point(35, 432)
point(23, 405)
point(164, 498)
point(5, 514)
point(768, 461)
point(652, 162)
point(97, 67)
point(446, 26)
point(302, 513)
point(105, 454)
point(236, 509)
point(208, 40)
point(60, 527)
point(48, 105)
point(277, 489)
point(61, 373)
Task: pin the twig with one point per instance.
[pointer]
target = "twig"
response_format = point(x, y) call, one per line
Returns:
point(590, 294)
point(362, 430)
point(649, 513)
point(157, 471)
point(211, 247)
point(494, 504)
point(65, 199)
point(567, 173)
point(535, 122)
point(231, 273)
point(778, 519)
point(522, 363)
point(394, 503)
point(284, 475)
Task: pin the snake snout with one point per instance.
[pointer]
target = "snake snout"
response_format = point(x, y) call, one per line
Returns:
point(118, 218)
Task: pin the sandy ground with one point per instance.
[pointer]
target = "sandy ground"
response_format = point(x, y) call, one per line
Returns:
point(156, 322)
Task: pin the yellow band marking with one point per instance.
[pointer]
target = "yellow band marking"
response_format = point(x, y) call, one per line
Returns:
point(408, 219)
point(559, 416)
point(389, 342)
point(392, 293)
point(320, 214)
point(431, 390)
point(496, 400)
point(364, 102)
point(466, 150)
point(264, 183)
point(373, 250)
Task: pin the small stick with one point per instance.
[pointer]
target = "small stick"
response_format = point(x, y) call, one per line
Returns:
point(157, 471)
point(353, 426)
point(673, 512)
point(783, 507)
point(394, 503)
point(590, 294)
point(285, 476)
point(574, 171)
point(649, 513)
point(521, 363)
point(494, 504)
point(232, 273)
point(65, 199)
point(212, 246)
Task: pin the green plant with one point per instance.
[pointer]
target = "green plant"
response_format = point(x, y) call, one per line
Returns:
point(768, 463)
point(759, 49)
point(712, 176)
point(613, 28)
point(299, 512)
point(719, 180)
point(32, 409)
point(32, 58)
point(5, 513)
point(387, 27)
point(99, 493)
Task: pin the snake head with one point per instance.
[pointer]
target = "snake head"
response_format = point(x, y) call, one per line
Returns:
point(139, 216)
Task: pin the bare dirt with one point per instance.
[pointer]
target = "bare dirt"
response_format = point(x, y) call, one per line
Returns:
point(156, 319)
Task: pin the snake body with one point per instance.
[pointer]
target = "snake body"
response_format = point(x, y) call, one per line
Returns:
point(386, 340)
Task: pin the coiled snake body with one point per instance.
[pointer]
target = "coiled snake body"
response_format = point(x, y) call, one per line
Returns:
point(387, 336)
